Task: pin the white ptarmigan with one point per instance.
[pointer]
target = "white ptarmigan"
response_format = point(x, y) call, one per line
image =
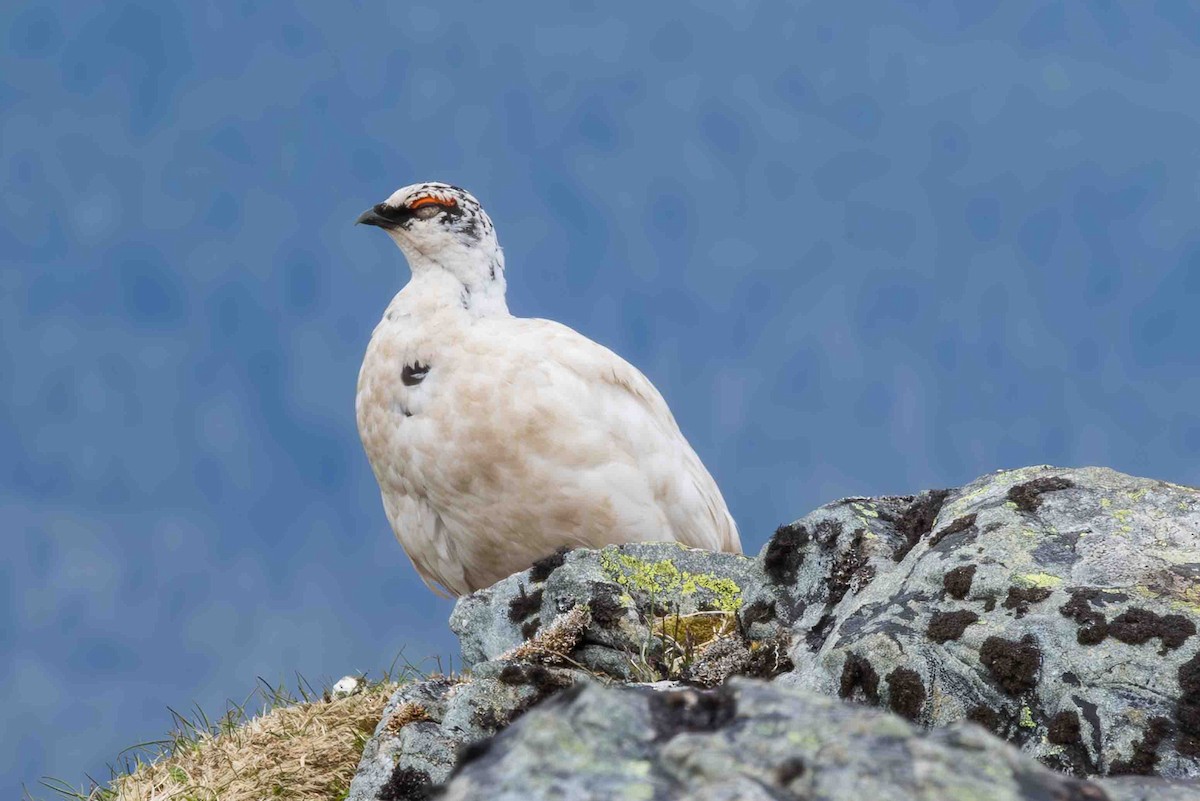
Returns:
point(497, 440)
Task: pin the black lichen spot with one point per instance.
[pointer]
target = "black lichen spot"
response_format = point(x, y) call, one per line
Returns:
point(989, 604)
point(672, 713)
point(918, 519)
point(819, 633)
point(1145, 751)
point(1064, 729)
point(605, 604)
point(826, 533)
point(1020, 598)
point(986, 717)
point(785, 554)
point(471, 751)
point(964, 524)
point(406, 784)
point(789, 770)
point(858, 674)
point(518, 673)
point(947, 626)
point(758, 612)
point(1028, 496)
point(769, 658)
point(1013, 665)
point(958, 581)
point(489, 719)
point(524, 604)
point(514, 673)
point(1091, 714)
point(1093, 627)
point(530, 627)
point(1187, 708)
point(544, 681)
point(846, 565)
point(550, 681)
point(543, 567)
point(906, 693)
point(1136, 626)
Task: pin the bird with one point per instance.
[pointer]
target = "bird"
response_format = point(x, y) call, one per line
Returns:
point(499, 440)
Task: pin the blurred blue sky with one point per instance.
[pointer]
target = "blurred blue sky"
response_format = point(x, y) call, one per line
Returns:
point(856, 256)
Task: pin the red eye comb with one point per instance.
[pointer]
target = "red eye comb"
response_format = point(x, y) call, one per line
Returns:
point(430, 199)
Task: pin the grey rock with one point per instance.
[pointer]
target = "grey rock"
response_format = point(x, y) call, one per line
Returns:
point(813, 564)
point(1144, 789)
point(1057, 607)
point(746, 740)
point(654, 608)
point(426, 724)
point(417, 744)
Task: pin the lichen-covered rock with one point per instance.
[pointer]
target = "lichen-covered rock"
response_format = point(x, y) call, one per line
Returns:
point(813, 564)
point(1144, 789)
point(426, 724)
point(746, 740)
point(655, 611)
point(1058, 608)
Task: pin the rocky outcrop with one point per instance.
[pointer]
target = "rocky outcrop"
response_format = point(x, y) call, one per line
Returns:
point(749, 741)
point(1057, 609)
point(427, 724)
point(653, 611)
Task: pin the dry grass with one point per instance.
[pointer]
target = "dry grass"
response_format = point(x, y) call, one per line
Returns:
point(553, 643)
point(685, 633)
point(675, 641)
point(296, 749)
point(406, 713)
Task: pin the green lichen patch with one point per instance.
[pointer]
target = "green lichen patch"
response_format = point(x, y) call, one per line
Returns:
point(1043, 580)
point(663, 579)
point(1123, 517)
point(864, 510)
point(696, 629)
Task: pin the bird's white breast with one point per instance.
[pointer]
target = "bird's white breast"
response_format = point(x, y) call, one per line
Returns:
point(523, 436)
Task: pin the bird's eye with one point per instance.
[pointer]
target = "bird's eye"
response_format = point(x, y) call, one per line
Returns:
point(423, 208)
point(427, 210)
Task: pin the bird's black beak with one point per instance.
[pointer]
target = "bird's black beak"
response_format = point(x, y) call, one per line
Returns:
point(372, 217)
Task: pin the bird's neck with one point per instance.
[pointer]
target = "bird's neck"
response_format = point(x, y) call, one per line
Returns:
point(473, 282)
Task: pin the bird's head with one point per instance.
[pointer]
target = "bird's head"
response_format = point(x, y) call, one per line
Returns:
point(441, 226)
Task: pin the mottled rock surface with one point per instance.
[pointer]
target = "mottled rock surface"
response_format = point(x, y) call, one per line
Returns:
point(656, 611)
point(1143, 789)
point(426, 724)
point(1057, 608)
point(746, 740)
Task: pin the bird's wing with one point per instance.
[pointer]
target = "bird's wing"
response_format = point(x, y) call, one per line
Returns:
point(621, 401)
point(429, 547)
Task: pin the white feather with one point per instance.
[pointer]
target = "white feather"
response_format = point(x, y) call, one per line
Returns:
point(524, 436)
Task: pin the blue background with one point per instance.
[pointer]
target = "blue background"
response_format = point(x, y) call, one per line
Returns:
point(858, 253)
